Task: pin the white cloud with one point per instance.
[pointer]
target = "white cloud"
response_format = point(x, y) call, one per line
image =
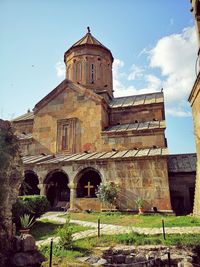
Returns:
point(174, 56)
point(60, 69)
point(118, 75)
point(144, 51)
point(136, 72)
point(178, 112)
point(154, 83)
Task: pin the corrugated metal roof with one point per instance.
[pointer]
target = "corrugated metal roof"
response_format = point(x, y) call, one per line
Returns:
point(35, 159)
point(182, 163)
point(136, 126)
point(52, 159)
point(128, 101)
point(24, 117)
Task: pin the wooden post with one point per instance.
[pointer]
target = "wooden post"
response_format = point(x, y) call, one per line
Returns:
point(169, 259)
point(51, 251)
point(98, 227)
point(163, 227)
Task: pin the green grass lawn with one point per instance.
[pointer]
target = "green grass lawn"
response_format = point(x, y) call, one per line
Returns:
point(84, 247)
point(127, 219)
point(45, 228)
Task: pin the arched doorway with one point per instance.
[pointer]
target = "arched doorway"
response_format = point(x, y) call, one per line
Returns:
point(57, 189)
point(89, 180)
point(30, 183)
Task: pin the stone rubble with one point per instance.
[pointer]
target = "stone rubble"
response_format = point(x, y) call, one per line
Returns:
point(141, 256)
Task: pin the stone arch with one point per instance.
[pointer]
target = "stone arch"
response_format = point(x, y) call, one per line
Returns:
point(30, 184)
point(56, 187)
point(87, 181)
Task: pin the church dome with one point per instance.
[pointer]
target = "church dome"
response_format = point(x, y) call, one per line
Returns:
point(88, 40)
point(89, 63)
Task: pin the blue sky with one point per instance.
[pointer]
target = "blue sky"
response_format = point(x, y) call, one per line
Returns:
point(153, 43)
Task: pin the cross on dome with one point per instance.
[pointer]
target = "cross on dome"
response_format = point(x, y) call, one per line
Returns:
point(88, 28)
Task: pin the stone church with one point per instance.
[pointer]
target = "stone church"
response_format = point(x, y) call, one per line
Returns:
point(80, 135)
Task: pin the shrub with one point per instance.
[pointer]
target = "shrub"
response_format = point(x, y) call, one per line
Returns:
point(65, 234)
point(34, 205)
point(26, 221)
point(108, 193)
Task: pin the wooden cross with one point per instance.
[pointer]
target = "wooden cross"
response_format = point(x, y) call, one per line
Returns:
point(89, 187)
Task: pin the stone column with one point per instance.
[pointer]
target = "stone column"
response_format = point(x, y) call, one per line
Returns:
point(42, 189)
point(72, 187)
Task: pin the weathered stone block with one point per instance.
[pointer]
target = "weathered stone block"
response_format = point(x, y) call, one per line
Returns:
point(24, 259)
point(28, 243)
point(17, 243)
point(119, 258)
point(129, 259)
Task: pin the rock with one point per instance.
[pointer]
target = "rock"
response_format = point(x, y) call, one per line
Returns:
point(185, 264)
point(27, 243)
point(109, 259)
point(22, 259)
point(129, 259)
point(83, 259)
point(127, 251)
point(17, 243)
point(92, 260)
point(119, 258)
point(140, 258)
point(100, 262)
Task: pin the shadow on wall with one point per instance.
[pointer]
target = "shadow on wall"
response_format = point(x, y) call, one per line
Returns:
point(128, 198)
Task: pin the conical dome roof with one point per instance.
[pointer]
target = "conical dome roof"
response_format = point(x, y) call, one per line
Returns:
point(90, 40)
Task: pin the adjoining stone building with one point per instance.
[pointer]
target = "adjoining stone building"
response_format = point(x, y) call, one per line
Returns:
point(79, 136)
point(182, 171)
point(194, 100)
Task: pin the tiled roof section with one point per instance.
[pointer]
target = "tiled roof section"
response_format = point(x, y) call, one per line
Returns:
point(182, 163)
point(89, 39)
point(97, 156)
point(136, 100)
point(24, 136)
point(148, 125)
point(24, 117)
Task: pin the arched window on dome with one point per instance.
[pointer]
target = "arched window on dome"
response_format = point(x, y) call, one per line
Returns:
point(92, 73)
point(74, 72)
point(79, 72)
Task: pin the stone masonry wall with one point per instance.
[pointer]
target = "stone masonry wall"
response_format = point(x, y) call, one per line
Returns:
point(195, 104)
point(139, 113)
point(133, 140)
point(67, 105)
point(196, 118)
point(144, 177)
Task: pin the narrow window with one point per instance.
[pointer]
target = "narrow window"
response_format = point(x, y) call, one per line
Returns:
point(75, 68)
point(79, 74)
point(65, 137)
point(92, 73)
